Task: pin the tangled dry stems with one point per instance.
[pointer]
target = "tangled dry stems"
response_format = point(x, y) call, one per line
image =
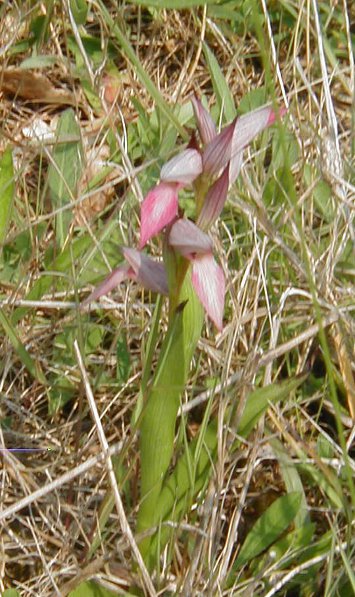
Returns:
point(49, 501)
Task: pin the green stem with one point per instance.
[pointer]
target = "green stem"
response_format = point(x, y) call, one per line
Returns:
point(162, 400)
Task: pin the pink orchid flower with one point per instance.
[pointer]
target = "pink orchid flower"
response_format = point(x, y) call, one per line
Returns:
point(160, 206)
point(207, 276)
point(221, 155)
point(139, 267)
point(218, 161)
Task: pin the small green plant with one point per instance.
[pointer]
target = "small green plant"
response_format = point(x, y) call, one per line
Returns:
point(192, 280)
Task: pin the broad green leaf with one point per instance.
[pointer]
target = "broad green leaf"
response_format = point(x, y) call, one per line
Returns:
point(65, 170)
point(269, 527)
point(292, 543)
point(259, 400)
point(224, 97)
point(283, 141)
point(177, 493)
point(92, 589)
point(11, 593)
point(7, 190)
point(292, 479)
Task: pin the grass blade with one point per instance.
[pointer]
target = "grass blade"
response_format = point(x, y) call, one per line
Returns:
point(224, 97)
point(7, 190)
point(32, 366)
point(65, 170)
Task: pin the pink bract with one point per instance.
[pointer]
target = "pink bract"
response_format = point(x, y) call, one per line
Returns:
point(183, 168)
point(158, 209)
point(205, 124)
point(209, 284)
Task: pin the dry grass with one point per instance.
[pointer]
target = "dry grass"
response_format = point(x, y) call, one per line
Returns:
point(285, 242)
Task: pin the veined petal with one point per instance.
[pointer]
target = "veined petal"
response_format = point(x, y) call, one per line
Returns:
point(218, 152)
point(113, 279)
point(188, 239)
point(158, 209)
point(209, 284)
point(214, 201)
point(205, 124)
point(250, 125)
point(234, 166)
point(149, 273)
point(183, 168)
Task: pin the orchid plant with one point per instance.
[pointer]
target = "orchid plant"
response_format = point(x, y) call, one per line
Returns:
point(188, 275)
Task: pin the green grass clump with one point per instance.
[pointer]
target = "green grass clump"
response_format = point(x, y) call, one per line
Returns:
point(260, 496)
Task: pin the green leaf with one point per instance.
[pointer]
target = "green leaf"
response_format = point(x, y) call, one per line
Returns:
point(224, 97)
point(292, 479)
point(252, 100)
point(131, 55)
point(123, 359)
point(259, 401)
point(79, 10)
point(32, 366)
point(61, 391)
point(39, 61)
point(11, 593)
point(275, 520)
point(61, 264)
point(65, 171)
point(92, 589)
point(162, 401)
point(7, 190)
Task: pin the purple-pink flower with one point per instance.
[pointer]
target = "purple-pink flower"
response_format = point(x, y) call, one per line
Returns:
point(211, 166)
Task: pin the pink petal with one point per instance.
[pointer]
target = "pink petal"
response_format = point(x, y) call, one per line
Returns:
point(149, 273)
point(214, 201)
point(234, 167)
point(208, 281)
point(205, 124)
point(188, 239)
point(113, 279)
point(218, 152)
point(183, 168)
point(250, 125)
point(158, 209)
